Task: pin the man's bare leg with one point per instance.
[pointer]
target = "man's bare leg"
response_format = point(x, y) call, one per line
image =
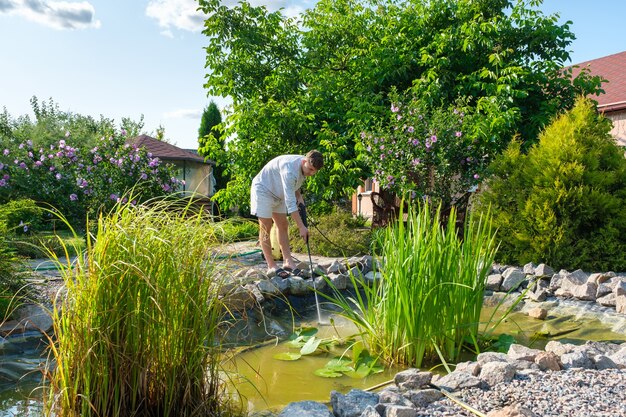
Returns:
point(264, 239)
point(280, 220)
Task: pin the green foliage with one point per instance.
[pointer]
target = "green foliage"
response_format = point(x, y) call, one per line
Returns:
point(563, 202)
point(39, 245)
point(11, 282)
point(237, 229)
point(136, 333)
point(22, 216)
point(211, 143)
point(425, 152)
point(336, 234)
point(428, 302)
point(318, 80)
point(81, 183)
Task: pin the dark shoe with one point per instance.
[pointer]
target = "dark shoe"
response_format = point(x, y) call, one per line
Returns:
point(281, 273)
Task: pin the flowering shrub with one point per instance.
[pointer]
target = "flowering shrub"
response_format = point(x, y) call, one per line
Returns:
point(426, 153)
point(80, 183)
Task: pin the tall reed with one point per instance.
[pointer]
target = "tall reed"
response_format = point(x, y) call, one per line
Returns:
point(428, 302)
point(137, 330)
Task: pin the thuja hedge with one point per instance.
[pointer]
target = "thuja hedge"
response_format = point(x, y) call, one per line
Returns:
point(563, 202)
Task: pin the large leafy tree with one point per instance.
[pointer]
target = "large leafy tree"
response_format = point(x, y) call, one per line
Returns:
point(319, 80)
point(211, 142)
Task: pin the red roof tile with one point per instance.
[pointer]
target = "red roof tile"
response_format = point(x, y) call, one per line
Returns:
point(613, 68)
point(166, 151)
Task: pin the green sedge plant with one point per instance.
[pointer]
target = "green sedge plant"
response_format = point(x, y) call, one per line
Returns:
point(427, 304)
point(137, 331)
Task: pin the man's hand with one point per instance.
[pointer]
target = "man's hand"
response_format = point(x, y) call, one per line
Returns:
point(304, 233)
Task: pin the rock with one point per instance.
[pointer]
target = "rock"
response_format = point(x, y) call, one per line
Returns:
point(619, 357)
point(392, 397)
point(608, 300)
point(620, 304)
point(458, 380)
point(412, 379)
point(394, 410)
point(514, 410)
point(538, 313)
point(543, 270)
point(372, 277)
point(370, 412)
point(576, 360)
point(586, 291)
point(529, 268)
point(306, 408)
point(493, 282)
point(603, 289)
point(472, 368)
point(497, 372)
point(339, 281)
point(512, 279)
point(548, 361)
point(600, 277)
point(604, 362)
point(353, 403)
point(423, 398)
point(522, 352)
point(558, 348)
point(487, 357)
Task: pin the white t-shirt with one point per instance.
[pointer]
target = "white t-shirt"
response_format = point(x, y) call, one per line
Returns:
point(282, 177)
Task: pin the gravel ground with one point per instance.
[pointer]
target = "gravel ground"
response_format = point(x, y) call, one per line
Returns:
point(571, 393)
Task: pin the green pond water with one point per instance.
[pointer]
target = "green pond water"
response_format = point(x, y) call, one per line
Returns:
point(264, 382)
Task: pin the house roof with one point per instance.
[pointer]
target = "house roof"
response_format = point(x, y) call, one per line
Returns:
point(613, 68)
point(166, 151)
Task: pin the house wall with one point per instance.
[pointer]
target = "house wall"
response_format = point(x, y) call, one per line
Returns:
point(197, 177)
point(619, 126)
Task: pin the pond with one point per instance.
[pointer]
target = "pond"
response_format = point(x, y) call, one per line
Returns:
point(266, 383)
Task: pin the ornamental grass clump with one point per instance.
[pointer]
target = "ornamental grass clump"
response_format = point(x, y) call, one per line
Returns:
point(137, 330)
point(427, 304)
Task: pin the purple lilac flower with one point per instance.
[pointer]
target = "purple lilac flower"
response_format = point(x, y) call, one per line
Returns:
point(394, 108)
point(362, 135)
point(458, 134)
point(433, 138)
point(30, 154)
point(73, 197)
point(29, 142)
point(416, 161)
point(143, 176)
point(123, 132)
point(58, 176)
point(415, 142)
point(476, 176)
point(38, 163)
point(22, 165)
point(410, 129)
point(1, 165)
point(21, 146)
point(166, 187)
point(113, 197)
point(67, 135)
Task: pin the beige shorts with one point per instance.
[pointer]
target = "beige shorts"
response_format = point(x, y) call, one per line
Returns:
point(263, 203)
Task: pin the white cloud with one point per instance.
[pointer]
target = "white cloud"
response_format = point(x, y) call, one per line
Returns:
point(184, 114)
point(178, 14)
point(183, 14)
point(54, 14)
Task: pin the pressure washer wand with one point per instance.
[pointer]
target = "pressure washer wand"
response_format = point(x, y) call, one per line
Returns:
point(302, 211)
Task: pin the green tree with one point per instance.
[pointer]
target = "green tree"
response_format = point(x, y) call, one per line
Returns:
point(562, 202)
point(211, 143)
point(320, 79)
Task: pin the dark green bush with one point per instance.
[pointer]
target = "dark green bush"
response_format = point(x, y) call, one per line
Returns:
point(10, 280)
point(337, 234)
point(21, 216)
point(563, 202)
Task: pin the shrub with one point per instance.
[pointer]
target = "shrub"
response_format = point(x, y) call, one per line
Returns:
point(563, 202)
point(336, 234)
point(10, 280)
point(21, 216)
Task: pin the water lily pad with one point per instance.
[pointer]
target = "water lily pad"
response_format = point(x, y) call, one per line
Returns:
point(327, 373)
point(287, 356)
point(310, 346)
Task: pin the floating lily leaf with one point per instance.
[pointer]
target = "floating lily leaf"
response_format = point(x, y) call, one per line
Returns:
point(327, 373)
point(339, 365)
point(310, 346)
point(298, 342)
point(361, 372)
point(307, 331)
point(287, 356)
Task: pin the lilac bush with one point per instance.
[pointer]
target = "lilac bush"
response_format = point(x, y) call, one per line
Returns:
point(426, 153)
point(83, 182)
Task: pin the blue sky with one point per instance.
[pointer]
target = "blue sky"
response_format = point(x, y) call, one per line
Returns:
point(125, 58)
